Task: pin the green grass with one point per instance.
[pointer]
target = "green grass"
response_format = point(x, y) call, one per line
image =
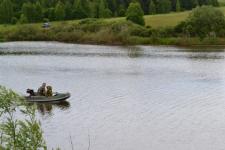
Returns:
point(222, 2)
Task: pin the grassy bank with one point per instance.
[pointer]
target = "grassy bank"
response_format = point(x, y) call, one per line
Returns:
point(115, 31)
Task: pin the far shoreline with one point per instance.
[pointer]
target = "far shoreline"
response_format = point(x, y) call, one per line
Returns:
point(127, 45)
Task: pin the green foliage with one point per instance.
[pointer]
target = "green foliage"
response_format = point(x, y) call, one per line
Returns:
point(135, 14)
point(28, 11)
point(6, 11)
point(79, 9)
point(152, 8)
point(37, 10)
point(121, 11)
point(23, 19)
point(204, 21)
point(214, 2)
point(59, 11)
point(51, 14)
point(178, 6)
point(68, 11)
point(14, 20)
point(18, 134)
point(163, 6)
point(103, 10)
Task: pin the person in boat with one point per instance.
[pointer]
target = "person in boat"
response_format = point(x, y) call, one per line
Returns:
point(49, 91)
point(31, 92)
point(42, 90)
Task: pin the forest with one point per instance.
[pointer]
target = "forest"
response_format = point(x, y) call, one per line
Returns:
point(31, 11)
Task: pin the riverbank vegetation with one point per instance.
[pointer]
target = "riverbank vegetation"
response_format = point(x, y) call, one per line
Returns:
point(202, 26)
point(19, 128)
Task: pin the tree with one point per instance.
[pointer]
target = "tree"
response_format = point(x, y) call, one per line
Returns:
point(50, 14)
point(152, 7)
point(177, 5)
point(60, 11)
point(23, 19)
point(163, 6)
point(28, 10)
point(112, 6)
point(79, 11)
point(214, 3)
point(38, 12)
point(104, 11)
point(145, 5)
point(135, 13)
point(6, 11)
point(121, 11)
point(68, 11)
point(189, 4)
point(204, 21)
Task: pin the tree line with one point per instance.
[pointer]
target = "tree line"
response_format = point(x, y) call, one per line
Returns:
point(30, 11)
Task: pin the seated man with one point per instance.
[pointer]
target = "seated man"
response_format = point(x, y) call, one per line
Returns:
point(42, 90)
point(49, 91)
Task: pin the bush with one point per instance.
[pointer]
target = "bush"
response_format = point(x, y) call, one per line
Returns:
point(135, 13)
point(140, 31)
point(18, 134)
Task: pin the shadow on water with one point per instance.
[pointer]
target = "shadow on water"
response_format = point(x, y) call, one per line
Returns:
point(47, 108)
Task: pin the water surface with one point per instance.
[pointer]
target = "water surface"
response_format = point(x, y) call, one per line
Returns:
point(124, 98)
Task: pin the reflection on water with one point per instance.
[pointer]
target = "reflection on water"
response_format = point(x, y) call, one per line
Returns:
point(47, 108)
point(135, 52)
point(125, 98)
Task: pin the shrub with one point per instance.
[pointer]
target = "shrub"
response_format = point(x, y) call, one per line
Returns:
point(140, 31)
point(18, 134)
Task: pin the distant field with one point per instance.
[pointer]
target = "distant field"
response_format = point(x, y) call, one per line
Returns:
point(164, 20)
point(222, 1)
point(155, 21)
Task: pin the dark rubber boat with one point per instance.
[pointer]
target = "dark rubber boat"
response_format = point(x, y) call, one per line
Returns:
point(58, 97)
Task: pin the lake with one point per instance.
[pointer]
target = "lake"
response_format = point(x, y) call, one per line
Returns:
point(123, 98)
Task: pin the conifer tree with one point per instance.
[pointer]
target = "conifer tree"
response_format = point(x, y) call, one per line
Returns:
point(104, 11)
point(28, 11)
point(38, 12)
point(60, 11)
point(177, 5)
point(6, 11)
point(68, 11)
point(79, 11)
point(152, 8)
point(163, 6)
